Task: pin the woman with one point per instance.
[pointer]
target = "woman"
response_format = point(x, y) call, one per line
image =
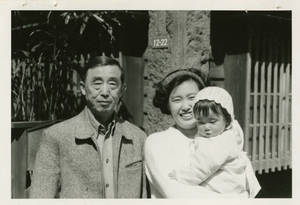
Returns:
point(169, 149)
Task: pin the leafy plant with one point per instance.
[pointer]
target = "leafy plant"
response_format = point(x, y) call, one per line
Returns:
point(57, 43)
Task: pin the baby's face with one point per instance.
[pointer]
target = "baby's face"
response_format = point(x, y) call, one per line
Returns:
point(211, 125)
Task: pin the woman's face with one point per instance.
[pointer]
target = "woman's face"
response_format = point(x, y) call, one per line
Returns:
point(181, 104)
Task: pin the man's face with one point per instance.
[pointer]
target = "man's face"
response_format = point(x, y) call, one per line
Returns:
point(102, 89)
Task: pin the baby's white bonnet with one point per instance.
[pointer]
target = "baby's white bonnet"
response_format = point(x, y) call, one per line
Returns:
point(217, 94)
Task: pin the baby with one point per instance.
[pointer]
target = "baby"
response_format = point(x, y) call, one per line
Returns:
point(217, 161)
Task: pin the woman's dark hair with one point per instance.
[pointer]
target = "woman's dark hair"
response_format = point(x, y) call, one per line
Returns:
point(100, 61)
point(202, 108)
point(172, 80)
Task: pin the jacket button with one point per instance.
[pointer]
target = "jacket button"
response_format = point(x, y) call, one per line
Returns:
point(107, 160)
point(106, 185)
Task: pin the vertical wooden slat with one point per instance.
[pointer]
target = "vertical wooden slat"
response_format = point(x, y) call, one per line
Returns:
point(274, 108)
point(34, 82)
point(287, 135)
point(255, 102)
point(284, 117)
point(27, 90)
point(22, 88)
point(262, 107)
point(247, 95)
point(287, 107)
point(290, 106)
point(281, 109)
point(31, 86)
point(268, 105)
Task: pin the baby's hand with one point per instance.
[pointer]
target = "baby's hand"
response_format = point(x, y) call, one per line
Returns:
point(172, 175)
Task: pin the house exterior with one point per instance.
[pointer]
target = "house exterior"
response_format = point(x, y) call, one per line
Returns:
point(248, 53)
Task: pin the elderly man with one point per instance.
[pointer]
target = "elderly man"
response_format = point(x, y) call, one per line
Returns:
point(95, 154)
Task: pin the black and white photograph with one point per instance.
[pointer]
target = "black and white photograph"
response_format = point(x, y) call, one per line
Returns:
point(151, 104)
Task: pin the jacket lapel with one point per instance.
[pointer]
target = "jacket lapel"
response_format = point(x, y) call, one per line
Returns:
point(120, 132)
point(84, 130)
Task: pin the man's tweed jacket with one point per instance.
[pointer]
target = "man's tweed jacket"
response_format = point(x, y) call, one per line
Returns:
point(68, 156)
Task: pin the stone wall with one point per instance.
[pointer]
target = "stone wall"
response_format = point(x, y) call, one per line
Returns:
point(189, 46)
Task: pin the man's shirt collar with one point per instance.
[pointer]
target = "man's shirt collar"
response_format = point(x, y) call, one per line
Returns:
point(99, 128)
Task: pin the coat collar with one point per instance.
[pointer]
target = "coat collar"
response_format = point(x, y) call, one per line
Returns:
point(84, 129)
